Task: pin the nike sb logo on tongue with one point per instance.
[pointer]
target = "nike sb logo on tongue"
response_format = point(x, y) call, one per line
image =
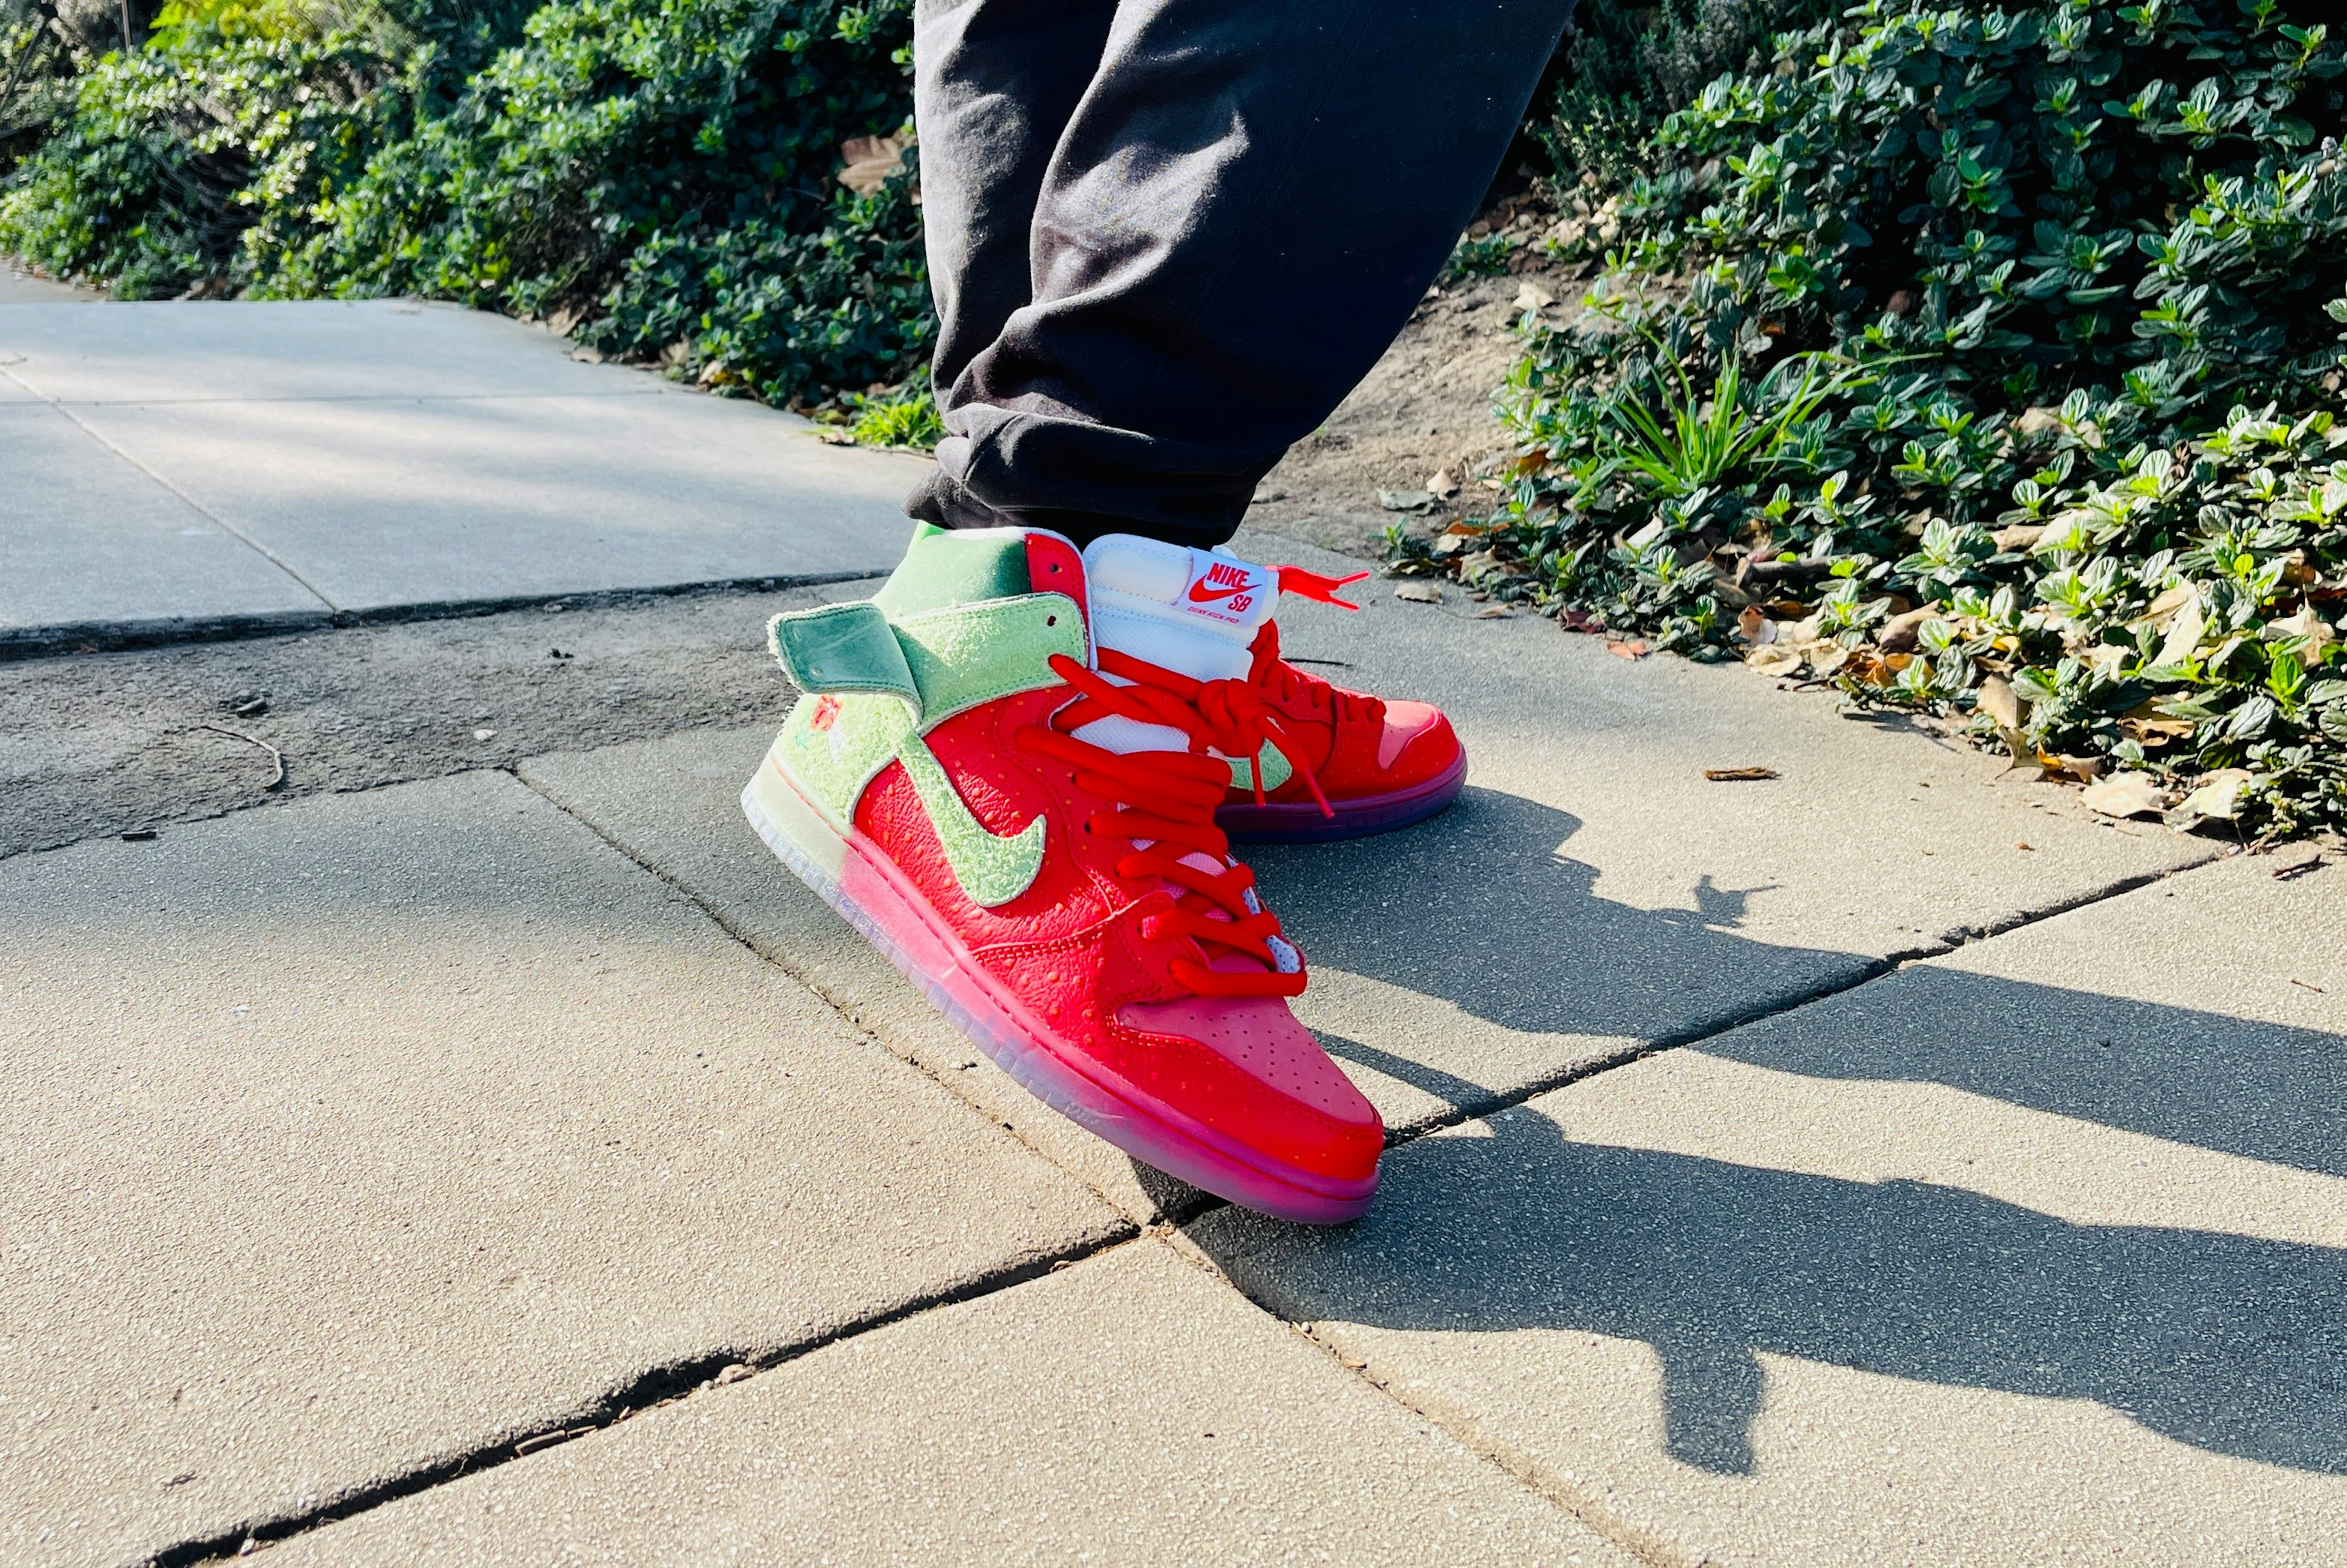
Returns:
point(1224, 590)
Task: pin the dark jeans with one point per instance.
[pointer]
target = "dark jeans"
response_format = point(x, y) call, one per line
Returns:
point(1166, 237)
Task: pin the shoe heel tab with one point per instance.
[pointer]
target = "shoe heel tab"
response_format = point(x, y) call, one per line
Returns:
point(842, 648)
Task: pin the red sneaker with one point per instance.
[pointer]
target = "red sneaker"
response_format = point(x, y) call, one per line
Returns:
point(1005, 774)
point(1374, 764)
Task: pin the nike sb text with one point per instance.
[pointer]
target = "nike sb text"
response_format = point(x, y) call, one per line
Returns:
point(1223, 588)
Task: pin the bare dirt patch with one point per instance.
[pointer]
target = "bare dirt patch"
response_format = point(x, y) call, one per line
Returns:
point(1425, 409)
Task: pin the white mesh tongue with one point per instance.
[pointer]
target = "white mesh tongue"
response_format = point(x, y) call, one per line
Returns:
point(1193, 611)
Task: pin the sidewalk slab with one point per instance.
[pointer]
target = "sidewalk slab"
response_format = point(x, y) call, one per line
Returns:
point(1130, 1409)
point(181, 351)
point(86, 539)
point(348, 1138)
point(396, 456)
point(18, 287)
point(384, 504)
point(675, 804)
point(2033, 1254)
point(1592, 893)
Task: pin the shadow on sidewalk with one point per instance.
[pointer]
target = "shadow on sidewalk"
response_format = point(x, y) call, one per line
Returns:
point(2234, 1344)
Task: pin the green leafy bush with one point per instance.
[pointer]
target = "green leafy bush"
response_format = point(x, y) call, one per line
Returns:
point(1627, 64)
point(1926, 354)
point(656, 177)
point(170, 150)
point(660, 175)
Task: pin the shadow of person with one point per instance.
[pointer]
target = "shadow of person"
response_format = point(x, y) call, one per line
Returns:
point(1481, 907)
point(2233, 1344)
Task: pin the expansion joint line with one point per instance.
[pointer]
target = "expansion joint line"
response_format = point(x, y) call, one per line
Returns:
point(660, 1386)
point(195, 505)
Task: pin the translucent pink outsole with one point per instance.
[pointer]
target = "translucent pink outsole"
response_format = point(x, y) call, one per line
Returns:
point(1293, 822)
point(875, 898)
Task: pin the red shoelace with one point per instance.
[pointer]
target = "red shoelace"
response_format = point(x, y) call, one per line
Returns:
point(1165, 804)
point(1284, 683)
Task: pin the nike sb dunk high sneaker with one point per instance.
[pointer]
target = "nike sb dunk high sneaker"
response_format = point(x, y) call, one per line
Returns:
point(1375, 764)
point(1005, 773)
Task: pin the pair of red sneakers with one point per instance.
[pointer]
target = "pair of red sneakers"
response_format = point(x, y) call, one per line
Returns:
point(1018, 770)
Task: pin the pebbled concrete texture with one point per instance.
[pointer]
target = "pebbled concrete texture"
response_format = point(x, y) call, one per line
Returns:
point(1592, 892)
point(674, 803)
point(1130, 1409)
point(2029, 1254)
point(388, 456)
point(346, 1138)
point(96, 743)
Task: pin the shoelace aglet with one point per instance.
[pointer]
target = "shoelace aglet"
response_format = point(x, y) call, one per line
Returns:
point(1312, 585)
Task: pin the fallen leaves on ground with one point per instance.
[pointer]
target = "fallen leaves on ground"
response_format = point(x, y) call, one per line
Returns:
point(1738, 775)
point(1627, 650)
point(2124, 794)
point(1418, 593)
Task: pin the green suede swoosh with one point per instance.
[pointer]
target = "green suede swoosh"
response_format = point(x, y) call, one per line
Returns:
point(991, 869)
point(1276, 769)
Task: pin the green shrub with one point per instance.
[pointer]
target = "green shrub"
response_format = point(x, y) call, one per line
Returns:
point(1921, 360)
point(656, 177)
point(662, 176)
point(1627, 64)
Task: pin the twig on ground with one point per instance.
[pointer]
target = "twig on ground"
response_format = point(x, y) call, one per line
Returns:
point(275, 756)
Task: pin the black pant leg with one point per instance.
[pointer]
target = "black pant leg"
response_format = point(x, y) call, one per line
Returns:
point(1242, 208)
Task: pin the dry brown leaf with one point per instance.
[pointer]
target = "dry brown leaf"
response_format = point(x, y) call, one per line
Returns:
point(1756, 628)
point(2183, 635)
point(1442, 486)
point(1580, 621)
point(2219, 796)
point(868, 161)
point(1532, 297)
point(1627, 650)
point(2306, 624)
point(2163, 610)
point(2124, 794)
point(1419, 592)
point(1773, 658)
point(1493, 612)
point(1901, 632)
point(1738, 775)
point(2020, 537)
point(1997, 699)
point(1825, 656)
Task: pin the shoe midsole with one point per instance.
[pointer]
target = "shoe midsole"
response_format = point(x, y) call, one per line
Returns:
point(868, 891)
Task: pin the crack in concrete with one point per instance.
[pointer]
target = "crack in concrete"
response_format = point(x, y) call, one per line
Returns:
point(659, 1386)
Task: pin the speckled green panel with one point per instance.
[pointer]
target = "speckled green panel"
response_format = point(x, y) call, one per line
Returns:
point(962, 657)
point(842, 648)
point(942, 568)
point(1276, 770)
point(832, 745)
point(992, 869)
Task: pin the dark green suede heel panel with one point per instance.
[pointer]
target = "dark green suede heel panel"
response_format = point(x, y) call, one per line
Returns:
point(842, 648)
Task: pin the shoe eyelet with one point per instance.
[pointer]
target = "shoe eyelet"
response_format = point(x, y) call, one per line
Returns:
point(1050, 620)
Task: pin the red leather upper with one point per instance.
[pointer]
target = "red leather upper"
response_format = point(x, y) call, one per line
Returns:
point(1356, 745)
point(1072, 948)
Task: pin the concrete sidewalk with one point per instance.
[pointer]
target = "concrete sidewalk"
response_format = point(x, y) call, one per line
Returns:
point(182, 470)
point(492, 1155)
